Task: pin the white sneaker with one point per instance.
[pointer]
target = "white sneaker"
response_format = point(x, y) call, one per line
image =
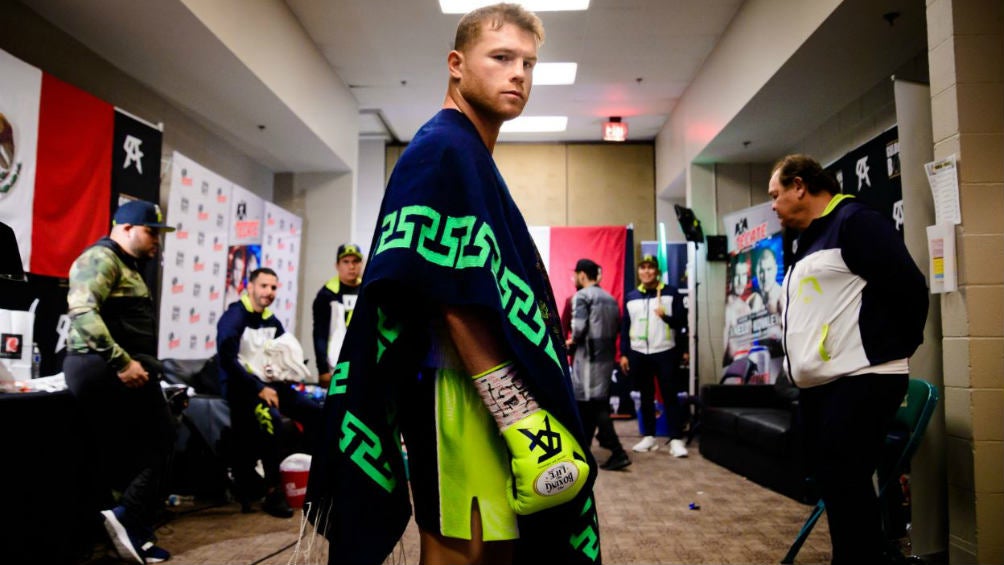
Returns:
point(647, 443)
point(676, 448)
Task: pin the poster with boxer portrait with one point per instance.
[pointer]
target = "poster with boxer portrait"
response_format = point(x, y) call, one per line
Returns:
point(753, 305)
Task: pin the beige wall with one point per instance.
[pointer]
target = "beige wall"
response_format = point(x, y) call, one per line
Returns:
point(966, 54)
point(577, 184)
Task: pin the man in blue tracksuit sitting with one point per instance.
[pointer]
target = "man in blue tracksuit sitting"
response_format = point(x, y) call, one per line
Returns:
point(255, 405)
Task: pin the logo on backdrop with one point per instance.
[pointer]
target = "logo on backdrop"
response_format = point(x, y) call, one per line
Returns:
point(63, 331)
point(10, 169)
point(897, 214)
point(862, 171)
point(133, 153)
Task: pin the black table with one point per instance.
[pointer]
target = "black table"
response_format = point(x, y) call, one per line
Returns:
point(49, 506)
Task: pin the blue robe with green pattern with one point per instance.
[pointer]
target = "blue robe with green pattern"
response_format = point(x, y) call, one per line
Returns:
point(448, 233)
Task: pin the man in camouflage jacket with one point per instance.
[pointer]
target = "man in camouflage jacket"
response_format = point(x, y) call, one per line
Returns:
point(111, 370)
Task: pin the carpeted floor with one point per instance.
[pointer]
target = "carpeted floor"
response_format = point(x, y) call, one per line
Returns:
point(645, 517)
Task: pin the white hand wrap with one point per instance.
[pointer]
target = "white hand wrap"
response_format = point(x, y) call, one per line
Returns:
point(503, 393)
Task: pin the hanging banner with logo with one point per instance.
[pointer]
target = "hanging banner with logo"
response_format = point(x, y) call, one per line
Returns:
point(280, 251)
point(194, 261)
point(871, 173)
point(136, 158)
point(753, 291)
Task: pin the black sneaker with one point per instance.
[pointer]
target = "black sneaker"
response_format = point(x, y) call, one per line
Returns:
point(276, 505)
point(617, 461)
point(154, 553)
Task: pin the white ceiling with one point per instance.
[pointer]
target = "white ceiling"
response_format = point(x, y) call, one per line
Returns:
point(636, 58)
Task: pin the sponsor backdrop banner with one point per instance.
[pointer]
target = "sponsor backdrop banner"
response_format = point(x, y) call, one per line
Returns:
point(224, 233)
point(194, 261)
point(753, 291)
point(280, 251)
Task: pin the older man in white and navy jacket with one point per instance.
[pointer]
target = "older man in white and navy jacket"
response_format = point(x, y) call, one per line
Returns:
point(855, 305)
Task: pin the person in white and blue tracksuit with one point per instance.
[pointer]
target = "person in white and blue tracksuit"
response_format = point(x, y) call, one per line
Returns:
point(652, 313)
point(855, 305)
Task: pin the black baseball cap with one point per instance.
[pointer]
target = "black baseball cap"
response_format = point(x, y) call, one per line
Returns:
point(589, 267)
point(646, 259)
point(141, 213)
point(346, 249)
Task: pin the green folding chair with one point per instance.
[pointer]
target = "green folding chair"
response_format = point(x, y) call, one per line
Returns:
point(912, 417)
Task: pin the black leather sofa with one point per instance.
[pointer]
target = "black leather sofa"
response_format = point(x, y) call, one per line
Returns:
point(749, 430)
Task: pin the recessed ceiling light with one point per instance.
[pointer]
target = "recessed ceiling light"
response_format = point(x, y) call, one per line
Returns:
point(464, 6)
point(535, 124)
point(554, 73)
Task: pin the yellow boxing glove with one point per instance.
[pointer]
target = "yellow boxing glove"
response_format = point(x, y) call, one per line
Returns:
point(548, 465)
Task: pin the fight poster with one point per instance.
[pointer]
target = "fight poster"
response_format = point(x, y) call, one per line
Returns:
point(753, 305)
point(194, 261)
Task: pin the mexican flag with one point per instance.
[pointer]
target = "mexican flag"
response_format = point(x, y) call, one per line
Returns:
point(561, 247)
point(55, 166)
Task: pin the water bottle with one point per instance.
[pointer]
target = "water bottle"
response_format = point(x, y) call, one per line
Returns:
point(36, 360)
point(180, 500)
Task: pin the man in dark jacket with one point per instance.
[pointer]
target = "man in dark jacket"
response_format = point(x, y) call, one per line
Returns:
point(855, 305)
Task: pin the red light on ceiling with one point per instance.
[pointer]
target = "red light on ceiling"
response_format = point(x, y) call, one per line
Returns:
point(615, 130)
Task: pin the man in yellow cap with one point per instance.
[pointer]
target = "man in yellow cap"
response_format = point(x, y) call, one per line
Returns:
point(333, 308)
point(652, 312)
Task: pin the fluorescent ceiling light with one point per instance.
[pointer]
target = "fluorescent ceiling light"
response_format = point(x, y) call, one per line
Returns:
point(554, 73)
point(464, 6)
point(535, 124)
